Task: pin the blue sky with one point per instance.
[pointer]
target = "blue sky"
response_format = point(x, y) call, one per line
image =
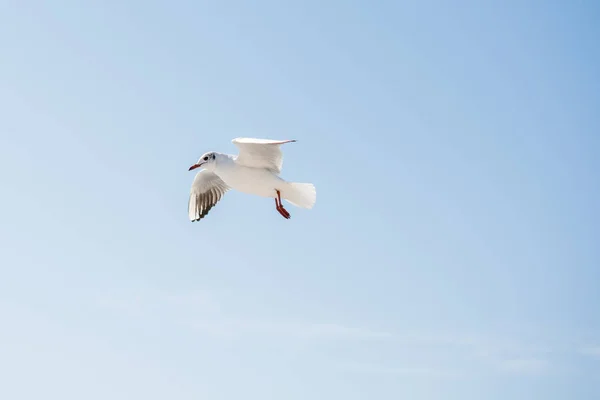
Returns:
point(452, 252)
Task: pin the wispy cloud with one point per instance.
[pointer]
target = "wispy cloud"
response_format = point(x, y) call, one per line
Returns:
point(515, 357)
point(203, 312)
point(524, 366)
point(236, 326)
point(441, 354)
point(198, 300)
point(591, 351)
point(407, 371)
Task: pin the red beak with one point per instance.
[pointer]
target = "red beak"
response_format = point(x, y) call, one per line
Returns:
point(194, 166)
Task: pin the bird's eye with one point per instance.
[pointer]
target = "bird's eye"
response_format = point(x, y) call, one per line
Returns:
point(205, 158)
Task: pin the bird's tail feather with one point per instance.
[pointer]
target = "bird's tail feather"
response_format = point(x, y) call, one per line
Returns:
point(303, 195)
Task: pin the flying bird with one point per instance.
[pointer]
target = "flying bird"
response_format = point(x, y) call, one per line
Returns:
point(255, 170)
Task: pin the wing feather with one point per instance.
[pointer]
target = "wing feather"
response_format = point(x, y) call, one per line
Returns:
point(260, 153)
point(207, 190)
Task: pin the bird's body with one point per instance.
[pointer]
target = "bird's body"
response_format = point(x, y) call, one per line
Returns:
point(256, 181)
point(254, 171)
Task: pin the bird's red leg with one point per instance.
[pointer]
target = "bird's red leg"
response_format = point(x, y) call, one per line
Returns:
point(279, 206)
point(280, 209)
point(283, 211)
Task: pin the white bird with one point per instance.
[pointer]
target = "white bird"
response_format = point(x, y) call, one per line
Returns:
point(254, 171)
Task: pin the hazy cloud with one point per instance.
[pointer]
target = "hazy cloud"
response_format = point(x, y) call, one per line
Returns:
point(202, 311)
point(406, 371)
point(591, 351)
point(209, 313)
point(524, 366)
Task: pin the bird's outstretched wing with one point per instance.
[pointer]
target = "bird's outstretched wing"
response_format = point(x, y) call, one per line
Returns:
point(207, 190)
point(260, 153)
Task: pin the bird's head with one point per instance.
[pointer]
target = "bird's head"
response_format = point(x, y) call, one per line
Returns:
point(206, 161)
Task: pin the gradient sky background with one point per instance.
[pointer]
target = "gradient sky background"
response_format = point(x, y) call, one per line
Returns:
point(453, 252)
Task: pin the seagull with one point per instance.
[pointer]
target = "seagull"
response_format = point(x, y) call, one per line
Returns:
point(255, 170)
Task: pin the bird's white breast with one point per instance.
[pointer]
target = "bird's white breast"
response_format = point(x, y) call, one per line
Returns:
point(256, 181)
